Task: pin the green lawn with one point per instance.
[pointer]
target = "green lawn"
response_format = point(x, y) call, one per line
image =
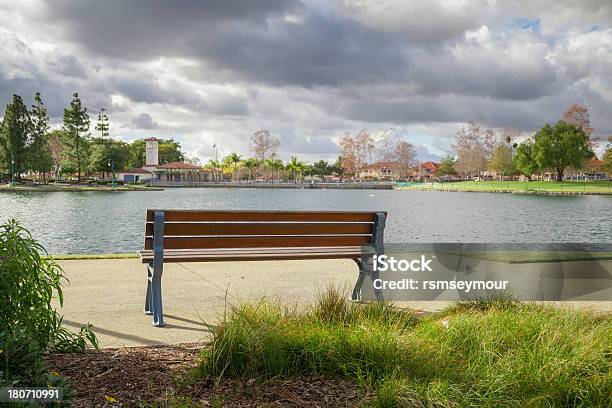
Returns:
point(602, 187)
point(474, 354)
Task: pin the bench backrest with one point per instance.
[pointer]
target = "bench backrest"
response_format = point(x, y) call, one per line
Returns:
point(190, 229)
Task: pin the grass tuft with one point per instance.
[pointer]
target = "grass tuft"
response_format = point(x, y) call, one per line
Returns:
point(480, 353)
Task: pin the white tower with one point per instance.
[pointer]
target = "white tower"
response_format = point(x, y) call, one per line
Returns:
point(152, 152)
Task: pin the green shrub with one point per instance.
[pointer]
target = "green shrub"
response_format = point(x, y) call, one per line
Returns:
point(495, 353)
point(29, 324)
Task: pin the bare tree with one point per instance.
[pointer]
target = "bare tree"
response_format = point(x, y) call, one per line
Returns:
point(348, 154)
point(264, 145)
point(579, 115)
point(386, 149)
point(473, 148)
point(57, 148)
point(404, 156)
point(364, 147)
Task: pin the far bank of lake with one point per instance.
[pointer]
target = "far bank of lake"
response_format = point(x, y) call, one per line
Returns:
point(99, 222)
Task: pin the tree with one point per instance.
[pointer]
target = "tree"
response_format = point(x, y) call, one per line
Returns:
point(296, 167)
point(560, 146)
point(404, 157)
point(501, 160)
point(264, 145)
point(214, 165)
point(473, 148)
point(579, 116)
point(355, 151)
point(387, 146)
point(524, 159)
point(250, 164)
point(56, 148)
point(348, 155)
point(105, 151)
point(607, 158)
point(338, 168)
point(447, 166)
point(276, 165)
point(233, 159)
point(39, 154)
point(321, 168)
point(14, 136)
point(169, 151)
point(76, 136)
point(102, 126)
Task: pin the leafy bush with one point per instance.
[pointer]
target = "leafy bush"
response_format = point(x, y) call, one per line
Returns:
point(29, 324)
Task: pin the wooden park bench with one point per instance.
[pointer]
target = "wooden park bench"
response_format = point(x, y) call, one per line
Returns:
point(213, 236)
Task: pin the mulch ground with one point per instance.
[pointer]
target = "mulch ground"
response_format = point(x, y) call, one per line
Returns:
point(151, 375)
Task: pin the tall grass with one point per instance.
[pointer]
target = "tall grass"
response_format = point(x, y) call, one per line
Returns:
point(499, 353)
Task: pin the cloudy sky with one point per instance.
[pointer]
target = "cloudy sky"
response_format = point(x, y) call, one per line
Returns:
point(312, 71)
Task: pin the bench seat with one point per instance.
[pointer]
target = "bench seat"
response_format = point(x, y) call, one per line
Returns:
point(257, 254)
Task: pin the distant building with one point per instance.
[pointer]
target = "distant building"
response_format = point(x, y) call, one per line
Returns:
point(380, 171)
point(163, 173)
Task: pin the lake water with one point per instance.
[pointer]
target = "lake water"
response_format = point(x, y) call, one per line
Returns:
point(103, 222)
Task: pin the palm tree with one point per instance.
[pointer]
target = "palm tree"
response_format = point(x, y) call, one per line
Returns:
point(250, 164)
point(295, 166)
point(233, 159)
point(214, 166)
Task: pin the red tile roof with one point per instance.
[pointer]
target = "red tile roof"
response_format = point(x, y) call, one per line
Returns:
point(432, 166)
point(151, 139)
point(136, 170)
point(178, 166)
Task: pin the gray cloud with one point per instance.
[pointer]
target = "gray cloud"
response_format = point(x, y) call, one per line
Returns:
point(145, 121)
point(311, 71)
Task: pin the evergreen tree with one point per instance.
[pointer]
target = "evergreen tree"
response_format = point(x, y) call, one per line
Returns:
point(76, 137)
point(447, 166)
point(14, 136)
point(39, 153)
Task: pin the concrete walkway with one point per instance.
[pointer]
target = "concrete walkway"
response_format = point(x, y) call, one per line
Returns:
point(109, 293)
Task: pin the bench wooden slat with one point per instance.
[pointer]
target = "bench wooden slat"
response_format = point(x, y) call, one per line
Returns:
point(269, 228)
point(195, 215)
point(220, 255)
point(258, 242)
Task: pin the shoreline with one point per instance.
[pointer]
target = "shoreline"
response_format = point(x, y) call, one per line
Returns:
point(524, 192)
point(73, 188)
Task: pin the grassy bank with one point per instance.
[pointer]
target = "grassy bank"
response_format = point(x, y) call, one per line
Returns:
point(74, 188)
point(525, 187)
point(473, 354)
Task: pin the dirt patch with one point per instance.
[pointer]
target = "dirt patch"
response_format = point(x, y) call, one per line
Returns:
point(136, 376)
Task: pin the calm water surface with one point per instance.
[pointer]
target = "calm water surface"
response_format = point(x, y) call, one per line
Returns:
point(103, 222)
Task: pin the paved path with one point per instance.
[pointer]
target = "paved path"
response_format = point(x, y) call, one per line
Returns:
point(109, 293)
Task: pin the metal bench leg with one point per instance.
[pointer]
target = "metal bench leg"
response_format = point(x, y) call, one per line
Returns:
point(374, 274)
point(366, 269)
point(362, 275)
point(158, 268)
point(148, 309)
point(156, 299)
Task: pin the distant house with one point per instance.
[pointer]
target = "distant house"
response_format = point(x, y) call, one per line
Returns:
point(164, 173)
point(382, 170)
point(425, 171)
